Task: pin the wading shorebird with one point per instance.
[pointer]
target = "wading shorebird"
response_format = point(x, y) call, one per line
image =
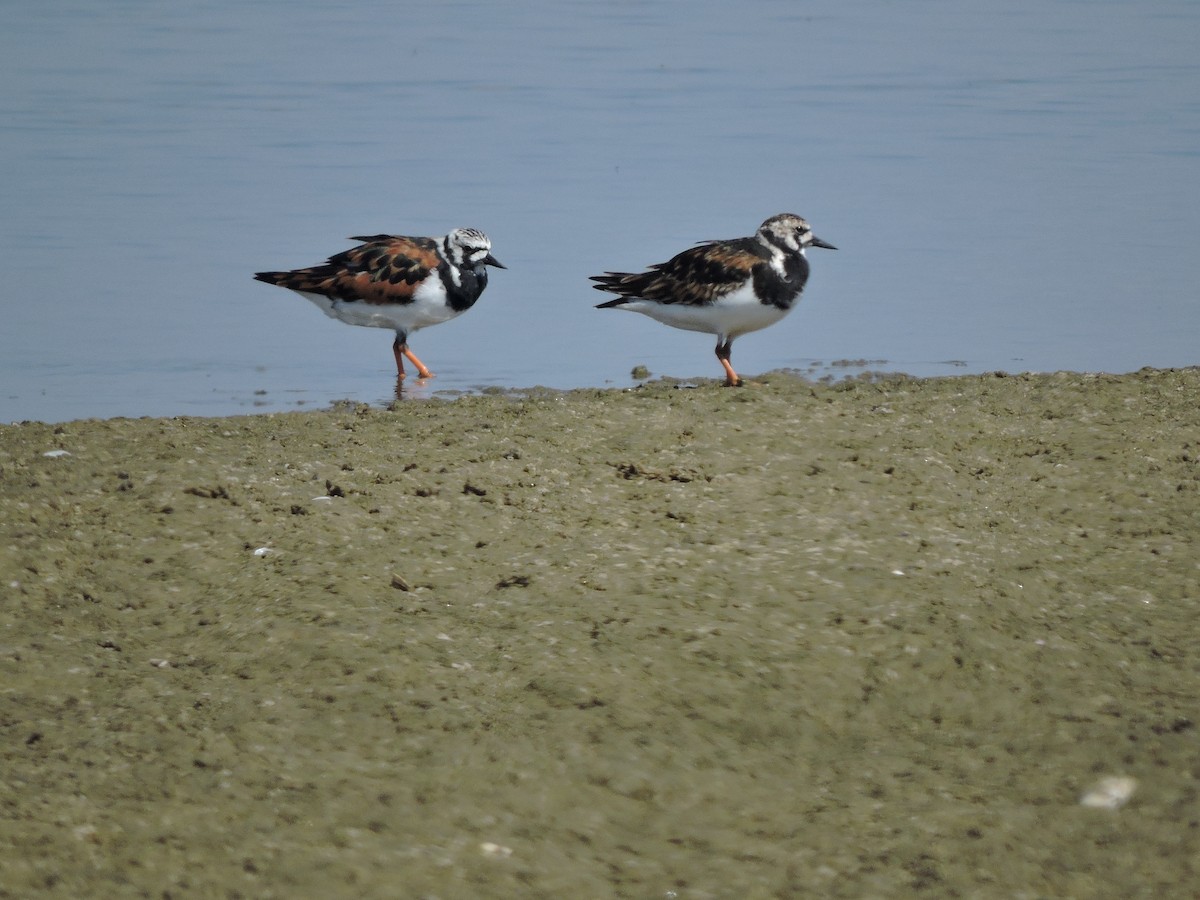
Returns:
point(726, 288)
point(396, 282)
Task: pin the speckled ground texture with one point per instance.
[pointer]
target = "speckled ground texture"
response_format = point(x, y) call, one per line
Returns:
point(869, 639)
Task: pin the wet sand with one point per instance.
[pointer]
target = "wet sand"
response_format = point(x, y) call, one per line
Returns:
point(873, 639)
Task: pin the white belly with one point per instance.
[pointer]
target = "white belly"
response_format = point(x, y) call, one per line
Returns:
point(734, 314)
point(428, 307)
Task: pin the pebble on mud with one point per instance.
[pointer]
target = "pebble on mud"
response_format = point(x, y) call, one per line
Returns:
point(1109, 793)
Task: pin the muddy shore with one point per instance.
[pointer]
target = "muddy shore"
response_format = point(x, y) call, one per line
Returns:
point(871, 639)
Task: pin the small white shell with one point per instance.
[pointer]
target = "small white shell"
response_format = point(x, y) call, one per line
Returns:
point(1109, 793)
point(54, 454)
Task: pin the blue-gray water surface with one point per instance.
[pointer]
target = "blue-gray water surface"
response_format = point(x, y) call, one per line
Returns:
point(1011, 186)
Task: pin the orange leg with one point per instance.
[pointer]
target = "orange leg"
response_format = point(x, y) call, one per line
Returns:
point(400, 351)
point(421, 369)
point(723, 351)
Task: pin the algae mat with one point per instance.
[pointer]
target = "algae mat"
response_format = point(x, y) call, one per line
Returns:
point(879, 639)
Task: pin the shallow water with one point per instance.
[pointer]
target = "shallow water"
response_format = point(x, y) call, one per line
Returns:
point(1011, 187)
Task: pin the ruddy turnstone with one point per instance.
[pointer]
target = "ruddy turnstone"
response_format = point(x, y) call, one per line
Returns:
point(402, 283)
point(726, 288)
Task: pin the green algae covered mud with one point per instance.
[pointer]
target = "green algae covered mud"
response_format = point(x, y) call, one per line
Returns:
point(878, 639)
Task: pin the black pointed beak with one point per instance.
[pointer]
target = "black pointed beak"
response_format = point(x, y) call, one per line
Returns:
point(490, 260)
point(817, 242)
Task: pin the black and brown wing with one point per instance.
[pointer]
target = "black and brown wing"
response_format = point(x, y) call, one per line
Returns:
point(383, 269)
point(697, 276)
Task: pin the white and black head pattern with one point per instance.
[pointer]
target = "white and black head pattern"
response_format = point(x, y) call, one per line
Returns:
point(789, 233)
point(468, 248)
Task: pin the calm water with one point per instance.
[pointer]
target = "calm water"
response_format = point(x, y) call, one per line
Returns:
point(1012, 185)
